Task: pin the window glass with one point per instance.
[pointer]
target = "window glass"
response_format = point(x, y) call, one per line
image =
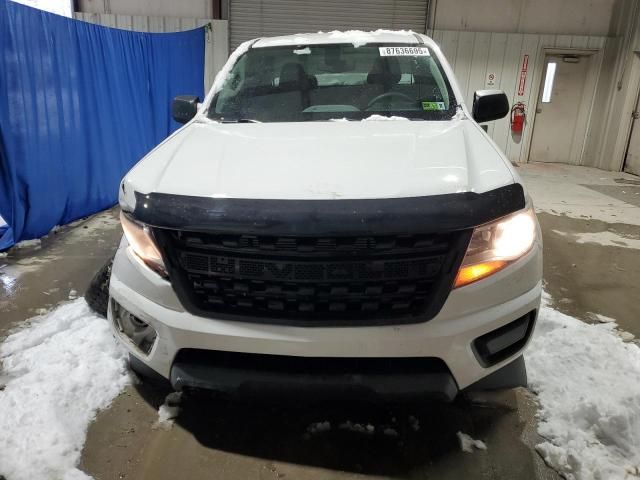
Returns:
point(548, 82)
point(323, 82)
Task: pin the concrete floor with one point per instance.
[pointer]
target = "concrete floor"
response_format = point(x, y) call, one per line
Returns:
point(591, 228)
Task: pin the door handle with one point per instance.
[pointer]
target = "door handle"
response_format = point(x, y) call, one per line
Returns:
point(539, 110)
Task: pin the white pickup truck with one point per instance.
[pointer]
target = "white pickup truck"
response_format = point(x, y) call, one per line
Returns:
point(332, 218)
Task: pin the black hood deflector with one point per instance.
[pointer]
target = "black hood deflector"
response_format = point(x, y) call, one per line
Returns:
point(429, 214)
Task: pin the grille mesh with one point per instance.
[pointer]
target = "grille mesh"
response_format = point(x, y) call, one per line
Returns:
point(320, 280)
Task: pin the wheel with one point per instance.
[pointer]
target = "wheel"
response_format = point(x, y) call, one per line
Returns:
point(97, 295)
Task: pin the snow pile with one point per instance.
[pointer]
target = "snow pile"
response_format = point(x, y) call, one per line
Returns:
point(359, 37)
point(588, 384)
point(378, 118)
point(169, 411)
point(222, 75)
point(35, 243)
point(59, 371)
point(467, 444)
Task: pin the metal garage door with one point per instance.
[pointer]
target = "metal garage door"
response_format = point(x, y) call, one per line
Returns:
point(260, 18)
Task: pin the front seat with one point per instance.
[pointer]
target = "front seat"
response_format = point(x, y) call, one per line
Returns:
point(293, 88)
point(383, 75)
point(384, 72)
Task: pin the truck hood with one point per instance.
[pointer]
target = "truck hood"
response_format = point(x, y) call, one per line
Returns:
point(323, 160)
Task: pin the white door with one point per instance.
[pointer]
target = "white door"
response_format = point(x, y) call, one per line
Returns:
point(632, 160)
point(560, 123)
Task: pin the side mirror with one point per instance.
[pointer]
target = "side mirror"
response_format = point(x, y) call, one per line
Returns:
point(489, 105)
point(184, 108)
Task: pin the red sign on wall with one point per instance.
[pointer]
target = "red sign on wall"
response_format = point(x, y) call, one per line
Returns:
point(523, 75)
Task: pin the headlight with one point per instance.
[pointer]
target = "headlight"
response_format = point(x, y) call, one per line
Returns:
point(494, 245)
point(142, 244)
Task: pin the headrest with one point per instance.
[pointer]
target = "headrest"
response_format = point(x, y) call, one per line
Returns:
point(293, 77)
point(385, 71)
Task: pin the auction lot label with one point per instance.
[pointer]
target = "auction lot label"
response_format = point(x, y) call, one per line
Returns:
point(404, 52)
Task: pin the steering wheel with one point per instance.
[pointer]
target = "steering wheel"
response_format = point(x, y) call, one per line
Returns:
point(382, 96)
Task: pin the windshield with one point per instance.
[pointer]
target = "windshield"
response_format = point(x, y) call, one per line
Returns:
point(325, 82)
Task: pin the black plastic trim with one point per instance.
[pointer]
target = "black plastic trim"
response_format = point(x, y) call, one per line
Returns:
point(501, 343)
point(232, 372)
point(512, 375)
point(430, 214)
point(442, 289)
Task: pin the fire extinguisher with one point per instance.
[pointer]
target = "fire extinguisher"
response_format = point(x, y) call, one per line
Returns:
point(518, 117)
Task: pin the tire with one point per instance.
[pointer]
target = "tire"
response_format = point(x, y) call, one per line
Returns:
point(97, 295)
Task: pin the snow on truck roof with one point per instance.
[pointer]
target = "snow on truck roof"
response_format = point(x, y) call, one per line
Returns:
point(356, 37)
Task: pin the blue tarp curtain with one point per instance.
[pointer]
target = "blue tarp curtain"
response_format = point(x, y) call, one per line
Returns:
point(80, 104)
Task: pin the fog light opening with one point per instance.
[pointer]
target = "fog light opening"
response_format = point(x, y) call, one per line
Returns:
point(499, 344)
point(139, 332)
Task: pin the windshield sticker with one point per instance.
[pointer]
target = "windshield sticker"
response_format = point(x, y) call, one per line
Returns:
point(303, 51)
point(429, 106)
point(404, 52)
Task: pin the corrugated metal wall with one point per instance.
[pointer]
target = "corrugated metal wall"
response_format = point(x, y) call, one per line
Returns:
point(567, 17)
point(254, 18)
point(216, 49)
point(475, 54)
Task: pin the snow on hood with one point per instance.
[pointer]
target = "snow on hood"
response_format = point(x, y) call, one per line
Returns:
point(323, 160)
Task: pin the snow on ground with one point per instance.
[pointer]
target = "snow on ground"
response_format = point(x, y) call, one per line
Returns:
point(601, 318)
point(367, 429)
point(414, 422)
point(169, 411)
point(606, 238)
point(35, 243)
point(468, 444)
point(57, 372)
point(588, 385)
point(319, 427)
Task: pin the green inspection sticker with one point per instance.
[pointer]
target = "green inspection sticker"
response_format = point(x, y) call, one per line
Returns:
point(433, 106)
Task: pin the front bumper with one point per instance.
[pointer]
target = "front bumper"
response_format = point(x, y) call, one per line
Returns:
point(468, 313)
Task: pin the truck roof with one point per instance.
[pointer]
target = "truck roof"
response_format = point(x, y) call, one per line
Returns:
point(356, 37)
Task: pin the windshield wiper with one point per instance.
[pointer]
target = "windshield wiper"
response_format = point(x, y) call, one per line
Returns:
point(241, 120)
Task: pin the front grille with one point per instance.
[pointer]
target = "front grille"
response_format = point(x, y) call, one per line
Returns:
point(313, 280)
